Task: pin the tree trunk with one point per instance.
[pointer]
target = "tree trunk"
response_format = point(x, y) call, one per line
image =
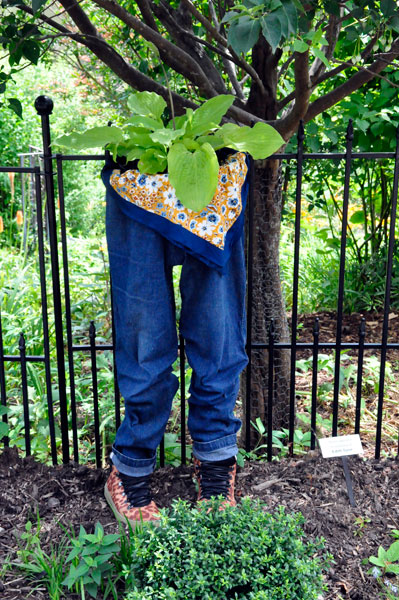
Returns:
point(268, 303)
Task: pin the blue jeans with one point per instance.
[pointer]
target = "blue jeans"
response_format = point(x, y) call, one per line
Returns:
point(212, 323)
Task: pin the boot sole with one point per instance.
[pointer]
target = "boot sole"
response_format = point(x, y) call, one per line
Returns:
point(122, 518)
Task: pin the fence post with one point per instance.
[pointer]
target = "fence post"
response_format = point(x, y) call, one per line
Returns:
point(295, 287)
point(44, 107)
point(3, 394)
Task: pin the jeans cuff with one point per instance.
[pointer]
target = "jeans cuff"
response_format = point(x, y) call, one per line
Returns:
point(135, 467)
point(219, 449)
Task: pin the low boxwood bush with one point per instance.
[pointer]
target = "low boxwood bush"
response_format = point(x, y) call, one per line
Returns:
point(241, 552)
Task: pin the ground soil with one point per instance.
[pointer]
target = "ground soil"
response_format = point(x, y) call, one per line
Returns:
point(316, 487)
point(350, 328)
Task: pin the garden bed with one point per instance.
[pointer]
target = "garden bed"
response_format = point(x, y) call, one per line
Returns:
point(316, 487)
point(349, 365)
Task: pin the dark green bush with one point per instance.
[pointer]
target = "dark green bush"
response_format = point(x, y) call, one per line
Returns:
point(239, 553)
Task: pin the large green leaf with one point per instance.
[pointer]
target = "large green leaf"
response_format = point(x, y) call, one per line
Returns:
point(147, 104)
point(16, 106)
point(320, 55)
point(271, 29)
point(243, 34)
point(37, 4)
point(393, 552)
point(288, 7)
point(357, 217)
point(215, 141)
point(130, 153)
point(183, 121)
point(394, 23)
point(209, 114)
point(97, 137)
point(4, 429)
point(332, 7)
point(260, 141)
point(31, 51)
point(166, 136)
point(147, 122)
point(152, 161)
point(284, 23)
point(194, 175)
point(139, 138)
point(388, 7)
point(300, 46)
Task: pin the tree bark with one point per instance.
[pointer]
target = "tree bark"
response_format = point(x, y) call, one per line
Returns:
point(268, 303)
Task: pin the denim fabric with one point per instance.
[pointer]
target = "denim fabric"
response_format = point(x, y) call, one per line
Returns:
point(212, 323)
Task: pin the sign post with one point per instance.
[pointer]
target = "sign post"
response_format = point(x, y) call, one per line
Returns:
point(342, 446)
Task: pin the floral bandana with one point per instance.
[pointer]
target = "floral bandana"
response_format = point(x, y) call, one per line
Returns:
point(208, 234)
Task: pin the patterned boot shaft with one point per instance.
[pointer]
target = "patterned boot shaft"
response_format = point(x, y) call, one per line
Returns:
point(117, 499)
point(215, 480)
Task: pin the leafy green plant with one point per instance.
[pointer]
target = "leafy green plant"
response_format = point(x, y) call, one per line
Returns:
point(241, 552)
point(360, 524)
point(95, 561)
point(387, 563)
point(347, 377)
point(185, 145)
point(371, 375)
point(41, 567)
point(92, 567)
point(4, 427)
point(279, 441)
point(387, 560)
point(172, 448)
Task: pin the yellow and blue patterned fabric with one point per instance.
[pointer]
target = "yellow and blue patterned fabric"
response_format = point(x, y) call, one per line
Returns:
point(208, 234)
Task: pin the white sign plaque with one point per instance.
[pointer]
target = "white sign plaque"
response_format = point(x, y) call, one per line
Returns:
point(342, 445)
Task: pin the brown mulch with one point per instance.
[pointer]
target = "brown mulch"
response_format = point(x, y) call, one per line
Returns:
point(73, 494)
point(350, 330)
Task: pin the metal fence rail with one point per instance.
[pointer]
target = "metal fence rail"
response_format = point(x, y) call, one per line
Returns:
point(54, 186)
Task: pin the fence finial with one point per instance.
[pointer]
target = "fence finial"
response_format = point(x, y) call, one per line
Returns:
point(349, 130)
point(301, 131)
point(316, 327)
point(21, 342)
point(44, 105)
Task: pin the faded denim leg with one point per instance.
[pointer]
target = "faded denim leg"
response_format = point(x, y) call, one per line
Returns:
point(213, 325)
point(146, 338)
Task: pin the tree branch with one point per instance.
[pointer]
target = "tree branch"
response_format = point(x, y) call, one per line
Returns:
point(54, 24)
point(332, 73)
point(289, 124)
point(179, 26)
point(360, 67)
point(285, 65)
point(175, 57)
point(218, 37)
point(332, 32)
point(148, 17)
point(87, 74)
point(352, 84)
point(110, 57)
point(228, 63)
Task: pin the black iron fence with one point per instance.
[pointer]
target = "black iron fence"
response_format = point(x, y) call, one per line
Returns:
point(50, 172)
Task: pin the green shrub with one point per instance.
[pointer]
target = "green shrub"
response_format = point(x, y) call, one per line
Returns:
point(242, 552)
